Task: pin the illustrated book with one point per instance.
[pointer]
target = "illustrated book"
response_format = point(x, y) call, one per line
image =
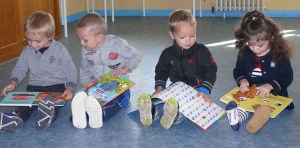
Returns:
point(244, 101)
point(192, 107)
point(107, 87)
point(31, 98)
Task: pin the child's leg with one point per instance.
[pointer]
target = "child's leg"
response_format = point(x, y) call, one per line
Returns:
point(259, 119)
point(114, 106)
point(170, 113)
point(45, 113)
point(10, 121)
point(94, 111)
point(235, 116)
point(78, 110)
point(24, 112)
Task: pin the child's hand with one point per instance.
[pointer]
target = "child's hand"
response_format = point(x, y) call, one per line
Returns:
point(206, 98)
point(244, 84)
point(158, 90)
point(120, 71)
point(264, 90)
point(11, 86)
point(68, 93)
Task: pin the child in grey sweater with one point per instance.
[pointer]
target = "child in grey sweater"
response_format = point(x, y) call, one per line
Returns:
point(51, 69)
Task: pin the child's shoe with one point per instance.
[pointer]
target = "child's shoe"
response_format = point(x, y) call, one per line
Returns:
point(78, 110)
point(290, 106)
point(45, 113)
point(260, 118)
point(233, 115)
point(94, 111)
point(10, 121)
point(170, 113)
point(144, 105)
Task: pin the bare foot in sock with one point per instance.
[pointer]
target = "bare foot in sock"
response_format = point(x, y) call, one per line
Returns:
point(259, 119)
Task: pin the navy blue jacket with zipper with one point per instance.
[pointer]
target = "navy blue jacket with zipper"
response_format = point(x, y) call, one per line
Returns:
point(195, 67)
point(278, 74)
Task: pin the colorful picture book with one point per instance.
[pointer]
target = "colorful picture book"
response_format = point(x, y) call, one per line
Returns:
point(31, 98)
point(191, 106)
point(107, 87)
point(276, 103)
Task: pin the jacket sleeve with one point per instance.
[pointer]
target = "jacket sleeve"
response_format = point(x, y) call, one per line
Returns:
point(132, 55)
point(84, 69)
point(209, 69)
point(285, 78)
point(162, 70)
point(239, 70)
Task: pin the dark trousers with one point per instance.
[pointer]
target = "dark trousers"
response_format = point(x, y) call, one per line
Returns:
point(114, 106)
point(24, 112)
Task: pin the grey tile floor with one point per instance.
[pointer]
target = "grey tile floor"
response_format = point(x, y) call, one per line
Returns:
point(150, 36)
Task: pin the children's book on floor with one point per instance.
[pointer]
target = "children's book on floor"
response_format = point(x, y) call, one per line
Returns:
point(107, 87)
point(249, 101)
point(192, 107)
point(31, 98)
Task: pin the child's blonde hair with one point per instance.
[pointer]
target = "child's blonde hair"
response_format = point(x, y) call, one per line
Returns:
point(94, 22)
point(41, 23)
point(179, 16)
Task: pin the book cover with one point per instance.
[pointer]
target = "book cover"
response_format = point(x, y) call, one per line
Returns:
point(107, 87)
point(191, 106)
point(57, 96)
point(30, 98)
point(276, 103)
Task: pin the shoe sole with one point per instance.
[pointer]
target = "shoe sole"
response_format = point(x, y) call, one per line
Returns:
point(10, 123)
point(144, 106)
point(45, 113)
point(170, 113)
point(94, 110)
point(78, 110)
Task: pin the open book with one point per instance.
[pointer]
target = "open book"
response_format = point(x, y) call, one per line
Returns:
point(107, 87)
point(192, 107)
point(276, 103)
point(31, 98)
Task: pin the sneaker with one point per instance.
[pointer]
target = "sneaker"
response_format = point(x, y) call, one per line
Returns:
point(45, 113)
point(170, 113)
point(78, 110)
point(144, 105)
point(9, 121)
point(290, 106)
point(233, 115)
point(94, 111)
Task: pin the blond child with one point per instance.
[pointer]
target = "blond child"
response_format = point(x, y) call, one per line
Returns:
point(51, 69)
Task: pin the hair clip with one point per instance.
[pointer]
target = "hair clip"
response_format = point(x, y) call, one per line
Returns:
point(254, 18)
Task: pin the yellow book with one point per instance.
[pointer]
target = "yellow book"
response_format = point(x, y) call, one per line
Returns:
point(276, 103)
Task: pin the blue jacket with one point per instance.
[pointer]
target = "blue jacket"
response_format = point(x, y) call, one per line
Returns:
point(278, 74)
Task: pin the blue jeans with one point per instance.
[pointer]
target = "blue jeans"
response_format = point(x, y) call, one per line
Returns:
point(114, 106)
